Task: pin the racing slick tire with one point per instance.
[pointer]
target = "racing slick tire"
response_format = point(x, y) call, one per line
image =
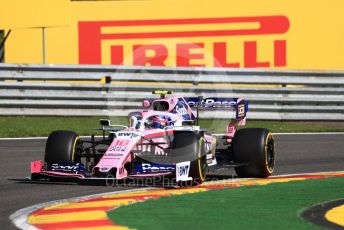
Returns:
point(190, 146)
point(254, 151)
point(61, 147)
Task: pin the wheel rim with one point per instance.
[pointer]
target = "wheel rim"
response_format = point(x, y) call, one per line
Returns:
point(270, 154)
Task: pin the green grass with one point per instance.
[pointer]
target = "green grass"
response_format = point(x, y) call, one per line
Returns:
point(274, 206)
point(21, 126)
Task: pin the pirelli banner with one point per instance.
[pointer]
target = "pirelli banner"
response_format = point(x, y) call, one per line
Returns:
point(304, 34)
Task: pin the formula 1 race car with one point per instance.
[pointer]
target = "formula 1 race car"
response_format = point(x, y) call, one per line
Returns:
point(162, 140)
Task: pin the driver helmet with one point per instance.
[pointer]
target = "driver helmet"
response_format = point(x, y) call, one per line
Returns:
point(159, 121)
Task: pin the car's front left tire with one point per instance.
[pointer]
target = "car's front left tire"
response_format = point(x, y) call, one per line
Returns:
point(61, 147)
point(190, 146)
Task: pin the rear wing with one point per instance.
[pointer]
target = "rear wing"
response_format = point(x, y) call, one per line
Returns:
point(217, 103)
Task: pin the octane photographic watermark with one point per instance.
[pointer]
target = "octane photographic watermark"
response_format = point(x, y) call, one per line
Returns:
point(168, 182)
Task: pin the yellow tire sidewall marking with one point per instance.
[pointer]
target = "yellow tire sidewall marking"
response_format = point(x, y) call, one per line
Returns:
point(201, 142)
point(74, 145)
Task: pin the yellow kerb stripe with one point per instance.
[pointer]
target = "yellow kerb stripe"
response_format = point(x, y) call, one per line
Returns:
point(160, 192)
point(104, 228)
point(67, 217)
point(57, 206)
point(94, 204)
point(336, 215)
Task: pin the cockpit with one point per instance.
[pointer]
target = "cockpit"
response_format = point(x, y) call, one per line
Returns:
point(154, 121)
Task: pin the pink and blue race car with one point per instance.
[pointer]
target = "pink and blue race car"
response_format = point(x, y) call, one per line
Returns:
point(163, 140)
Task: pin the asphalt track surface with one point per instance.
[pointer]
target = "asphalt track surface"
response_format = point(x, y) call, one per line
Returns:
point(296, 154)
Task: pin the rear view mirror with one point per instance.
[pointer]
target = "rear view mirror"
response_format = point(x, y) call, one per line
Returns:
point(104, 122)
point(146, 103)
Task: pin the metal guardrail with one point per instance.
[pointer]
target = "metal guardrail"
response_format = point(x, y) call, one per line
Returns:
point(70, 90)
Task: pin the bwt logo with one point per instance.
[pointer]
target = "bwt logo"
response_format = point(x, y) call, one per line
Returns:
point(219, 42)
point(184, 170)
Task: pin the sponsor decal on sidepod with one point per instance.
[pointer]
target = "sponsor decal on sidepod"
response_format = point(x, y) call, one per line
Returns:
point(154, 168)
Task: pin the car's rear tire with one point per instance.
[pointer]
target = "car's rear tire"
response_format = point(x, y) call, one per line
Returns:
point(61, 147)
point(254, 150)
point(190, 146)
